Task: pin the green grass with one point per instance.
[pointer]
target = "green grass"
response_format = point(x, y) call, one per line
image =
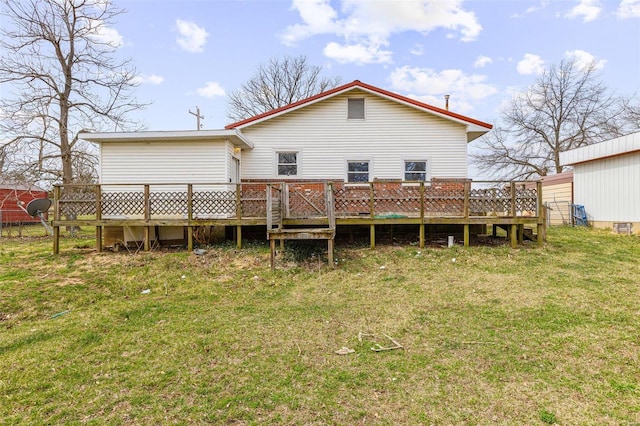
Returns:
point(500, 336)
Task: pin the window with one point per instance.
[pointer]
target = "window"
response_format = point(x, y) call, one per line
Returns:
point(357, 171)
point(287, 163)
point(415, 170)
point(355, 109)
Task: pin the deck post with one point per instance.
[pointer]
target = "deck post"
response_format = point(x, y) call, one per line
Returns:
point(189, 217)
point(330, 252)
point(272, 246)
point(147, 217)
point(421, 214)
point(466, 235)
point(372, 213)
point(514, 236)
point(98, 218)
point(372, 236)
point(56, 218)
point(513, 199)
point(467, 192)
point(542, 217)
point(239, 215)
point(520, 233)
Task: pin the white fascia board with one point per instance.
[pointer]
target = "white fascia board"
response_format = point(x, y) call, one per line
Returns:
point(611, 148)
point(234, 136)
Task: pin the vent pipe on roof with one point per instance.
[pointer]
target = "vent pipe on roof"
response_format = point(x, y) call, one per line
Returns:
point(446, 102)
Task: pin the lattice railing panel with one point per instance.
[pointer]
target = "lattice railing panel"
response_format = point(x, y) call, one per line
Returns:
point(254, 200)
point(306, 200)
point(76, 203)
point(123, 203)
point(448, 202)
point(168, 203)
point(527, 201)
point(495, 201)
point(400, 199)
point(214, 203)
point(351, 201)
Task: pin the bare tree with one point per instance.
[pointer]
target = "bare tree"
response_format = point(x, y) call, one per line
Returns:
point(566, 108)
point(61, 78)
point(280, 82)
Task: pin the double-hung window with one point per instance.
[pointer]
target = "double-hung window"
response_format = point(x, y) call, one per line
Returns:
point(415, 170)
point(358, 171)
point(287, 163)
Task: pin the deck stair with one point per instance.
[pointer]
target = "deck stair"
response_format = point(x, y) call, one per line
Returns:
point(277, 208)
point(524, 233)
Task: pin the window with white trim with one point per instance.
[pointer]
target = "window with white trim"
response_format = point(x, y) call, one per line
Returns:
point(415, 170)
point(358, 171)
point(287, 163)
point(355, 109)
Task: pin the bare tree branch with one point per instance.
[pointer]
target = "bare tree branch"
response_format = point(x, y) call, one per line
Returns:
point(566, 108)
point(280, 82)
point(63, 78)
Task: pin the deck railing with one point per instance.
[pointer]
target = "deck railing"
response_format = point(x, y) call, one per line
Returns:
point(301, 200)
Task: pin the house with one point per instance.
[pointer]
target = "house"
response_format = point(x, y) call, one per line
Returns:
point(357, 153)
point(13, 193)
point(606, 182)
point(353, 133)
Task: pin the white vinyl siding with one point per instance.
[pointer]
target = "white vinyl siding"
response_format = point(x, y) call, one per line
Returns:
point(165, 162)
point(608, 188)
point(390, 133)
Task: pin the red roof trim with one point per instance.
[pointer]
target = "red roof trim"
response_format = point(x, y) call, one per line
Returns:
point(357, 83)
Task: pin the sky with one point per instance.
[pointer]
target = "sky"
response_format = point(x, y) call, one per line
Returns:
point(193, 53)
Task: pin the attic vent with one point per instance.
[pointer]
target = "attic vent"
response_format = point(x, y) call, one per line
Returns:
point(356, 109)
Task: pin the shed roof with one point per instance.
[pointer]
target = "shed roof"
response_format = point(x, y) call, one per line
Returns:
point(611, 148)
point(232, 135)
point(19, 186)
point(475, 128)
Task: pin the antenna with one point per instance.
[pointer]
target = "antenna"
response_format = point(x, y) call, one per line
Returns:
point(198, 117)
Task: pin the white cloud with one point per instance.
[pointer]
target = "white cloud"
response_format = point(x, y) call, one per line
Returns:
point(102, 34)
point(417, 50)
point(430, 86)
point(482, 61)
point(152, 79)
point(531, 64)
point(589, 10)
point(628, 9)
point(584, 60)
point(368, 25)
point(357, 53)
point(210, 90)
point(191, 37)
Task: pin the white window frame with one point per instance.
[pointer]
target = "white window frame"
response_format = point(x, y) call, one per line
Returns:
point(427, 172)
point(364, 109)
point(367, 160)
point(298, 164)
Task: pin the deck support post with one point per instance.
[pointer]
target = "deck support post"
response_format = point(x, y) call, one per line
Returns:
point(372, 236)
point(330, 253)
point(147, 217)
point(239, 236)
point(541, 236)
point(281, 245)
point(56, 240)
point(239, 215)
point(56, 217)
point(514, 236)
point(189, 216)
point(466, 235)
point(272, 246)
point(98, 218)
point(520, 234)
point(542, 217)
point(422, 235)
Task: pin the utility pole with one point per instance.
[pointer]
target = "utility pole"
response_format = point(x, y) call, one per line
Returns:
point(198, 117)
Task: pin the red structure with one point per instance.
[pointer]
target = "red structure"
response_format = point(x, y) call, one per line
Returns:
point(12, 192)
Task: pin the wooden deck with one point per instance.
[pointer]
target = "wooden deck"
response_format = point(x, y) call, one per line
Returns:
point(512, 205)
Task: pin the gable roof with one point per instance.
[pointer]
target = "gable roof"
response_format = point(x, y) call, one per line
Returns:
point(475, 128)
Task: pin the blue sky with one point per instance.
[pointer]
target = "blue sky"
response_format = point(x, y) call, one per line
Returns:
point(193, 53)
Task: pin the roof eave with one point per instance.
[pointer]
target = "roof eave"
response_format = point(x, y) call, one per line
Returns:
point(232, 135)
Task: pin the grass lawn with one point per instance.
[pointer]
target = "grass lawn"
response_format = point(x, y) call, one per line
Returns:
point(491, 335)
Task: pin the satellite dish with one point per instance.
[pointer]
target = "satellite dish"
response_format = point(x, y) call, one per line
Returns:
point(38, 206)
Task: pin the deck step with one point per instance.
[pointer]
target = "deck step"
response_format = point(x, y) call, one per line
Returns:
point(301, 234)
